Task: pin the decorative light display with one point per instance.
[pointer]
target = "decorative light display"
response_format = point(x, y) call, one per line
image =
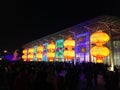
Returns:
point(99, 51)
point(51, 51)
point(69, 45)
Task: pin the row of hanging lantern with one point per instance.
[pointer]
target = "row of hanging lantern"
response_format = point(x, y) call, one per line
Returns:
point(68, 53)
point(99, 51)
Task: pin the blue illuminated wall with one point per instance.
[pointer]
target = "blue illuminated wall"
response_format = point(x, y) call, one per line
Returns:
point(82, 47)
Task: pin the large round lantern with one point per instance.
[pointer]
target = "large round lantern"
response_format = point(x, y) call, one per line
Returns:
point(31, 50)
point(99, 38)
point(69, 43)
point(99, 52)
point(51, 46)
point(69, 54)
point(39, 49)
point(51, 56)
point(39, 56)
point(24, 51)
point(24, 57)
point(30, 57)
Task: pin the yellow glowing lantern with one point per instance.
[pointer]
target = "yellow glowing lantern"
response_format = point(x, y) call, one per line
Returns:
point(99, 38)
point(39, 48)
point(24, 51)
point(24, 57)
point(30, 57)
point(69, 43)
point(39, 56)
point(99, 52)
point(31, 50)
point(51, 56)
point(69, 54)
point(51, 46)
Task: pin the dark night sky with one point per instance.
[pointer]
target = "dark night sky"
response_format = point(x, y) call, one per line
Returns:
point(22, 22)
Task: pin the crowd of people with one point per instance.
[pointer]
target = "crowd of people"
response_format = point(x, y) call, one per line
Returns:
point(21, 75)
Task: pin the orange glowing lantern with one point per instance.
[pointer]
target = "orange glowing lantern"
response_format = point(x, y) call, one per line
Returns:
point(99, 38)
point(51, 46)
point(51, 51)
point(39, 56)
point(30, 57)
point(51, 56)
point(24, 57)
point(99, 52)
point(31, 50)
point(24, 51)
point(39, 48)
point(69, 54)
point(69, 43)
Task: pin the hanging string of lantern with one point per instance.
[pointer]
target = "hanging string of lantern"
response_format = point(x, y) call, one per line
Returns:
point(99, 51)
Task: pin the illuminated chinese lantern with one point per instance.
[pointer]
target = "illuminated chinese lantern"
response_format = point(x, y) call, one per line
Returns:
point(99, 38)
point(51, 46)
point(24, 51)
point(51, 56)
point(30, 57)
point(31, 50)
point(69, 54)
point(69, 43)
point(39, 56)
point(99, 52)
point(39, 48)
point(24, 57)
